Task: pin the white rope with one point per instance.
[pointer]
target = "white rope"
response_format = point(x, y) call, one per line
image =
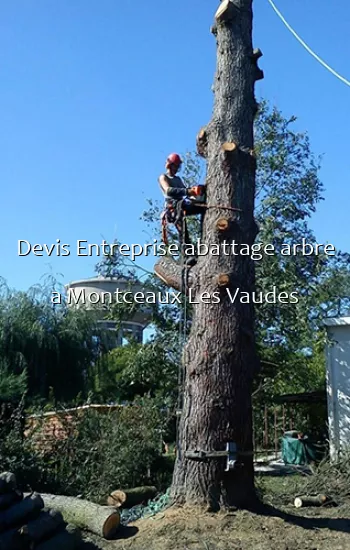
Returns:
point(311, 52)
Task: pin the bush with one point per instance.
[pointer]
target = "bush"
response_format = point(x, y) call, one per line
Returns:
point(98, 453)
point(16, 452)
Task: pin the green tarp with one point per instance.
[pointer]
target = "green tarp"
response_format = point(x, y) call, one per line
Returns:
point(297, 451)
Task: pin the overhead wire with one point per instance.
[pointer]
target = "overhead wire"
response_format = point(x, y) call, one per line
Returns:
point(303, 43)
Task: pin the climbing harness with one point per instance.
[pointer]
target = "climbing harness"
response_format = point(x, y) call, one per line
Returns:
point(175, 211)
point(175, 214)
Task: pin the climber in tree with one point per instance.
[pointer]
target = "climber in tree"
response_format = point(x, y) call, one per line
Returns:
point(180, 200)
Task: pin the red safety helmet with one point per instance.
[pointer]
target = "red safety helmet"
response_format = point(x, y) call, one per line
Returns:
point(174, 158)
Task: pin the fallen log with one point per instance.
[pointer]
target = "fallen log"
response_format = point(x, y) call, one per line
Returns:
point(131, 497)
point(104, 521)
point(318, 500)
point(8, 482)
point(30, 506)
point(70, 539)
point(8, 541)
point(47, 523)
point(7, 499)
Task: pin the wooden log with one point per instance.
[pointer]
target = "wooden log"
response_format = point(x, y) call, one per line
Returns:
point(104, 521)
point(46, 523)
point(226, 11)
point(69, 539)
point(29, 507)
point(7, 499)
point(128, 498)
point(8, 482)
point(304, 501)
point(172, 273)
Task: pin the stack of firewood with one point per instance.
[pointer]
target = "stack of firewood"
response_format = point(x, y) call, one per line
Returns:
point(24, 524)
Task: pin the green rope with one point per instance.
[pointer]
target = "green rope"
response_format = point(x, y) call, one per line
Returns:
point(153, 507)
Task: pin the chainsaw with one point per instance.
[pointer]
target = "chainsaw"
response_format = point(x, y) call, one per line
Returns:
point(198, 194)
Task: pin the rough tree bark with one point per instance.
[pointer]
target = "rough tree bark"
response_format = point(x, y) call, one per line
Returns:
point(220, 358)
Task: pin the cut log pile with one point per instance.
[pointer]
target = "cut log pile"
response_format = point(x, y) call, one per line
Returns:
point(24, 524)
point(49, 522)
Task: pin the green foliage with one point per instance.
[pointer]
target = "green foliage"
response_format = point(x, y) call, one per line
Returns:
point(136, 370)
point(329, 478)
point(290, 337)
point(288, 191)
point(115, 264)
point(12, 386)
point(53, 345)
point(102, 451)
point(16, 452)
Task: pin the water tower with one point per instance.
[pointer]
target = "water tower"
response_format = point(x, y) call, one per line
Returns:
point(94, 294)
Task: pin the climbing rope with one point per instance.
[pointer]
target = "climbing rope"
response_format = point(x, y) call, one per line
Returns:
point(153, 507)
point(307, 48)
point(182, 336)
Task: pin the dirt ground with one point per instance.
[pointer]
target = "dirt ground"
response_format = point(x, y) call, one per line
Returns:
point(282, 529)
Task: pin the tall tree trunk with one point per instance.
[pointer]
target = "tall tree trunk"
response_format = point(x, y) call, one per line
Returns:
point(220, 357)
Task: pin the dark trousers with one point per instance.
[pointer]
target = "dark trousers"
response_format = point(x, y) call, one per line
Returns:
point(184, 209)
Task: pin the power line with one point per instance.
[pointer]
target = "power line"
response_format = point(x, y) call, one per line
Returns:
point(311, 52)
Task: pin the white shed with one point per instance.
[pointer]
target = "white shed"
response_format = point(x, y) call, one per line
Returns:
point(338, 384)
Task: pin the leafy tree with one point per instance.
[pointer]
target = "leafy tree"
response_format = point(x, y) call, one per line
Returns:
point(137, 370)
point(288, 190)
point(116, 264)
point(52, 345)
point(12, 386)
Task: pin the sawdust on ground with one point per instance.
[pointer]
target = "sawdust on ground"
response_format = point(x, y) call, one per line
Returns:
point(273, 528)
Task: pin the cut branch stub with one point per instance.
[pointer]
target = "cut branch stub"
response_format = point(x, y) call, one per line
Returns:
point(223, 280)
point(222, 224)
point(259, 74)
point(229, 149)
point(226, 11)
point(257, 53)
point(202, 143)
point(214, 29)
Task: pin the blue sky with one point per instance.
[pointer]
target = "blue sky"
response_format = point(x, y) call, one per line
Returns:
point(94, 95)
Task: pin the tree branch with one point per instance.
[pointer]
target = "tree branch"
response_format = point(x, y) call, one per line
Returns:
point(202, 142)
point(173, 274)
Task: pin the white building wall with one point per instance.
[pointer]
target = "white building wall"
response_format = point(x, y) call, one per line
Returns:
point(338, 384)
